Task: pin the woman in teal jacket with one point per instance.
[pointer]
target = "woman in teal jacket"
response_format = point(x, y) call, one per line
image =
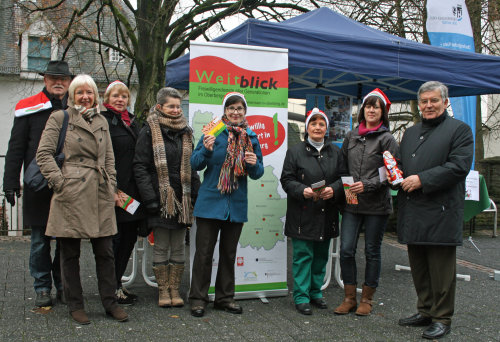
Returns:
point(222, 203)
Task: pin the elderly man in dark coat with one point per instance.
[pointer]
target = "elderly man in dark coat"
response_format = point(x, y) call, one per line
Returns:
point(436, 156)
point(30, 117)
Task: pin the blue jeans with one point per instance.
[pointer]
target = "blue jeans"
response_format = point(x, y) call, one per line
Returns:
point(349, 235)
point(42, 267)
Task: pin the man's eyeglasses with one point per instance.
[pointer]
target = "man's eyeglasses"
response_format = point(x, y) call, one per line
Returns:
point(434, 100)
point(236, 109)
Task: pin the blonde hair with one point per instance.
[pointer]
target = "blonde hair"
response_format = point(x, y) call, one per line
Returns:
point(121, 88)
point(79, 81)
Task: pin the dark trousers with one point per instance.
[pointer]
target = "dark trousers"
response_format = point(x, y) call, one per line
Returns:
point(42, 267)
point(123, 245)
point(374, 233)
point(433, 269)
point(206, 238)
point(105, 269)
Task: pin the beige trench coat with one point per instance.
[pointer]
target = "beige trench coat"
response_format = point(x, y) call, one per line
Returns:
point(83, 203)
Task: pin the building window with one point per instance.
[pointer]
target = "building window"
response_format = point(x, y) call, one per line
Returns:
point(39, 53)
point(114, 56)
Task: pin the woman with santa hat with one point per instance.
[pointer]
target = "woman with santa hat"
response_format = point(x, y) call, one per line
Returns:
point(362, 151)
point(311, 177)
point(227, 159)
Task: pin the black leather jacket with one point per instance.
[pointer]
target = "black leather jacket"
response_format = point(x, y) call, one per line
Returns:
point(363, 156)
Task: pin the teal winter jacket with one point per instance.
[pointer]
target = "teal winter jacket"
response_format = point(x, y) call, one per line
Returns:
point(211, 203)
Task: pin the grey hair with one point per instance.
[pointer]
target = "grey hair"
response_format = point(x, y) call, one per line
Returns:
point(433, 85)
point(164, 93)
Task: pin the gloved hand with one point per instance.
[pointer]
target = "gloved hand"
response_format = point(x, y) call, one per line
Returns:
point(153, 208)
point(10, 196)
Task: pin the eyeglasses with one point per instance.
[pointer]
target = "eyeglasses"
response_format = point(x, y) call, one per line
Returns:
point(434, 100)
point(236, 109)
point(172, 107)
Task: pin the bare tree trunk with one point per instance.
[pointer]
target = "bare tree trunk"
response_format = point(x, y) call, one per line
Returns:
point(150, 52)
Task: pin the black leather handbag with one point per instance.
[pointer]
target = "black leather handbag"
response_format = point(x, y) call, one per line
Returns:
point(33, 177)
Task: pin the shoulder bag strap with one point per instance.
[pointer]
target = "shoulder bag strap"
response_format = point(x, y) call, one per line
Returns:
point(62, 133)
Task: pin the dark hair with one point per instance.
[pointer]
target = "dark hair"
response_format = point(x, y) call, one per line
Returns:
point(235, 99)
point(372, 101)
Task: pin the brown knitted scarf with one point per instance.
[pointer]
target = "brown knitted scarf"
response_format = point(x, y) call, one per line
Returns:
point(170, 205)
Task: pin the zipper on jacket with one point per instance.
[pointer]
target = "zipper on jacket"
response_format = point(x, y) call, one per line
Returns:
point(363, 139)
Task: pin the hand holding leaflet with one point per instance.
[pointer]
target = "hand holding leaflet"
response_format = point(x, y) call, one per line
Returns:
point(351, 198)
point(126, 202)
point(214, 127)
point(318, 186)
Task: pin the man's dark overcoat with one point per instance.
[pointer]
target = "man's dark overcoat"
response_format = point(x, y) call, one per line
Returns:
point(441, 155)
point(23, 143)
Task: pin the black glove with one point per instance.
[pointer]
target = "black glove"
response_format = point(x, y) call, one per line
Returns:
point(10, 196)
point(153, 208)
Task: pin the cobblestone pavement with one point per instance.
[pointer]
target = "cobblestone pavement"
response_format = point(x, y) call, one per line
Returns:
point(477, 314)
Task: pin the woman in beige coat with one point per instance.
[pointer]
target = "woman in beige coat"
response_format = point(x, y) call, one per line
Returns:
point(84, 188)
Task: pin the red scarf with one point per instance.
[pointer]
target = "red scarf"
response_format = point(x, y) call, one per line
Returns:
point(124, 113)
point(362, 130)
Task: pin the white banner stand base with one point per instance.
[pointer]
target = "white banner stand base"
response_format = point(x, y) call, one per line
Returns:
point(145, 248)
point(334, 254)
point(465, 277)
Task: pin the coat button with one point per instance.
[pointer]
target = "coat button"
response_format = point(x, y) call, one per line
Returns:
point(83, 179)
point(421, 137)
point(407, 197)
point(81, 159)
point(100, 139)
point(413, 155)
point(322, 209)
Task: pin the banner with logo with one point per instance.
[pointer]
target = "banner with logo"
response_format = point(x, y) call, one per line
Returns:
point(448, 25)
point(261, 74)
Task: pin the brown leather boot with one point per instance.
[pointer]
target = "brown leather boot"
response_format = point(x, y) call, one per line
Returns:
point(365, 304)
point(161, 275)
point(80, 316)
point(176, 271)
point(118, 313)
point(349, 303)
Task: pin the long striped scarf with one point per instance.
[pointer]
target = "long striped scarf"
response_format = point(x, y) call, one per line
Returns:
point(170, 204)
point(238, 143)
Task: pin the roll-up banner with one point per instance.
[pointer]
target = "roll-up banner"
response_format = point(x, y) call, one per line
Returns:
point(261, 74)
point(448, 25)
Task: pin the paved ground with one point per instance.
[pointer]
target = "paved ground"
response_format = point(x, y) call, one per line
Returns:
point(477, 316)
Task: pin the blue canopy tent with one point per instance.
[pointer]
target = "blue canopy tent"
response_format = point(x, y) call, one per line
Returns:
point(330, 54)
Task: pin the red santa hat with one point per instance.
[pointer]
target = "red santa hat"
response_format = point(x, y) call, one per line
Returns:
point(316, 111)
point(380, 94)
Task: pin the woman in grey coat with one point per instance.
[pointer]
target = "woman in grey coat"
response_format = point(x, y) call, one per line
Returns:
point(362, 150)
